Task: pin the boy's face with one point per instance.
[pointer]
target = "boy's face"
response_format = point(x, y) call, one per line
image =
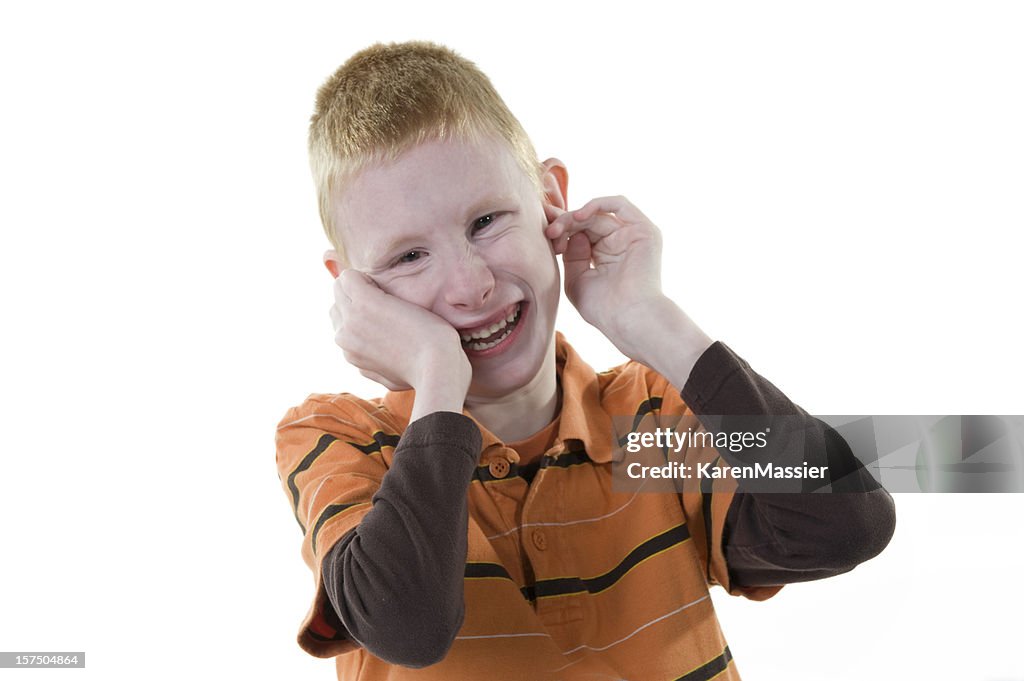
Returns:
point(457, 228)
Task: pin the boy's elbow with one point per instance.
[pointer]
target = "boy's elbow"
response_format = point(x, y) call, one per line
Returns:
point(862, 530)
point(408, 618)
point(420, 641)
point(850, 528)
point(878, 526)
point(424, 654)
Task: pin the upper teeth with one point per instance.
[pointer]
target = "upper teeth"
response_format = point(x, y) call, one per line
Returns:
point(493, 328)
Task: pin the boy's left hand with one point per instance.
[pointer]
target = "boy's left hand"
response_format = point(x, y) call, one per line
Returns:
point(611, 254)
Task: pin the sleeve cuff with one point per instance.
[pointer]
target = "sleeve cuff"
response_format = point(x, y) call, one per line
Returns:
point(457, 431)
point(710, 373)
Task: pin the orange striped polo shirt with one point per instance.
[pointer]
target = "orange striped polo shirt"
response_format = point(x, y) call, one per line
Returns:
point(619, 583)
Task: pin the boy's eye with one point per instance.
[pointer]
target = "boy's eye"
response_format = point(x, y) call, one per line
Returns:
point(483, 222)
point(411, 256)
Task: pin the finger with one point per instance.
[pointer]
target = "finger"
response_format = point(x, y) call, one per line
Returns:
point(576, 259)
point(557, 225)
point(555, 234)
point(617, 205)
point(353, 279)
point(599, 218)
point(335, 315)
point(348, 280)
point(341, 295)
point(596, 227)
point(353, 283)
point(560, 244)
point(551, 211)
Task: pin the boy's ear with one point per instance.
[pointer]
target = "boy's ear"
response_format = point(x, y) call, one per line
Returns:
point(333, 263)
point(555, 182)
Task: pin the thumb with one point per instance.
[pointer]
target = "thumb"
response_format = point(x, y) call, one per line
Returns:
point(353, 280)
point(576, 258)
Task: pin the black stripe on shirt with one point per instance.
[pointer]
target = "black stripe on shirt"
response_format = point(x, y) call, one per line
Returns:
point(322, 444)
point(706, 489)
point(486, 570)
point(493, 570)
point(646, 407)
point(561, 586)
point(328, 513)
point(572, 457)
point(380, 440)
point(709, 669)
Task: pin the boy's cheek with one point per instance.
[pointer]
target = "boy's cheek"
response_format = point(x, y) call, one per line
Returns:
point(407, 290)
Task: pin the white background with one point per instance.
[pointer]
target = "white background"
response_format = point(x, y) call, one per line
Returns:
point(840, 190)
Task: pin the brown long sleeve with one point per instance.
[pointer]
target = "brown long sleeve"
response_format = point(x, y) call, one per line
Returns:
point(780, 538)
point(395, 581)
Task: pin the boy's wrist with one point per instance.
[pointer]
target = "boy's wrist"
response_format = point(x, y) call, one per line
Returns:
point(439, 391)
point(662, 336)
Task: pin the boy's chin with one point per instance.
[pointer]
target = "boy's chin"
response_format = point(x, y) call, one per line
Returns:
point(496, 389)
point(491, 381)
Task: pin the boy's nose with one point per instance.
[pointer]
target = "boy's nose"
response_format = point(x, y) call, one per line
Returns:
point(469, 283)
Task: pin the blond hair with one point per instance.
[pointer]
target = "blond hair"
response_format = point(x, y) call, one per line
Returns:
point(386, 99)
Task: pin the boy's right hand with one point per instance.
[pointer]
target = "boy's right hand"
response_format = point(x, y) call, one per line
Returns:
point(394, 342)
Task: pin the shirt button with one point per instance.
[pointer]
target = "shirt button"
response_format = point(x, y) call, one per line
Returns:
point(499, 468)
point(539, 540)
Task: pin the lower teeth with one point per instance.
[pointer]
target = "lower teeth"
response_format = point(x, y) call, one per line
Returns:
point(487, 346)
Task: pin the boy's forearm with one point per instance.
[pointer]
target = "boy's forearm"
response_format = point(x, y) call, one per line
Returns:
point(661, 335)
point(396, 580)
point(779, 538)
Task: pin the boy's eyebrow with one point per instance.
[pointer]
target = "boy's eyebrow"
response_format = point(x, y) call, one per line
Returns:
point(488, 203)
point(383, 254)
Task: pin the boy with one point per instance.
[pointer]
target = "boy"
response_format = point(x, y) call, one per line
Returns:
point(465, 525)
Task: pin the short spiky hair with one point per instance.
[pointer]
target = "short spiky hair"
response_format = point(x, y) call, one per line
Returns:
point(386, 99)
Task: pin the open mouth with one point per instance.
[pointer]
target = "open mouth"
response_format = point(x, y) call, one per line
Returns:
point(490, 336)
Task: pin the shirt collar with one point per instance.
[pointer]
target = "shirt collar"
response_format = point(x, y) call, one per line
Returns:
point(582, 417)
